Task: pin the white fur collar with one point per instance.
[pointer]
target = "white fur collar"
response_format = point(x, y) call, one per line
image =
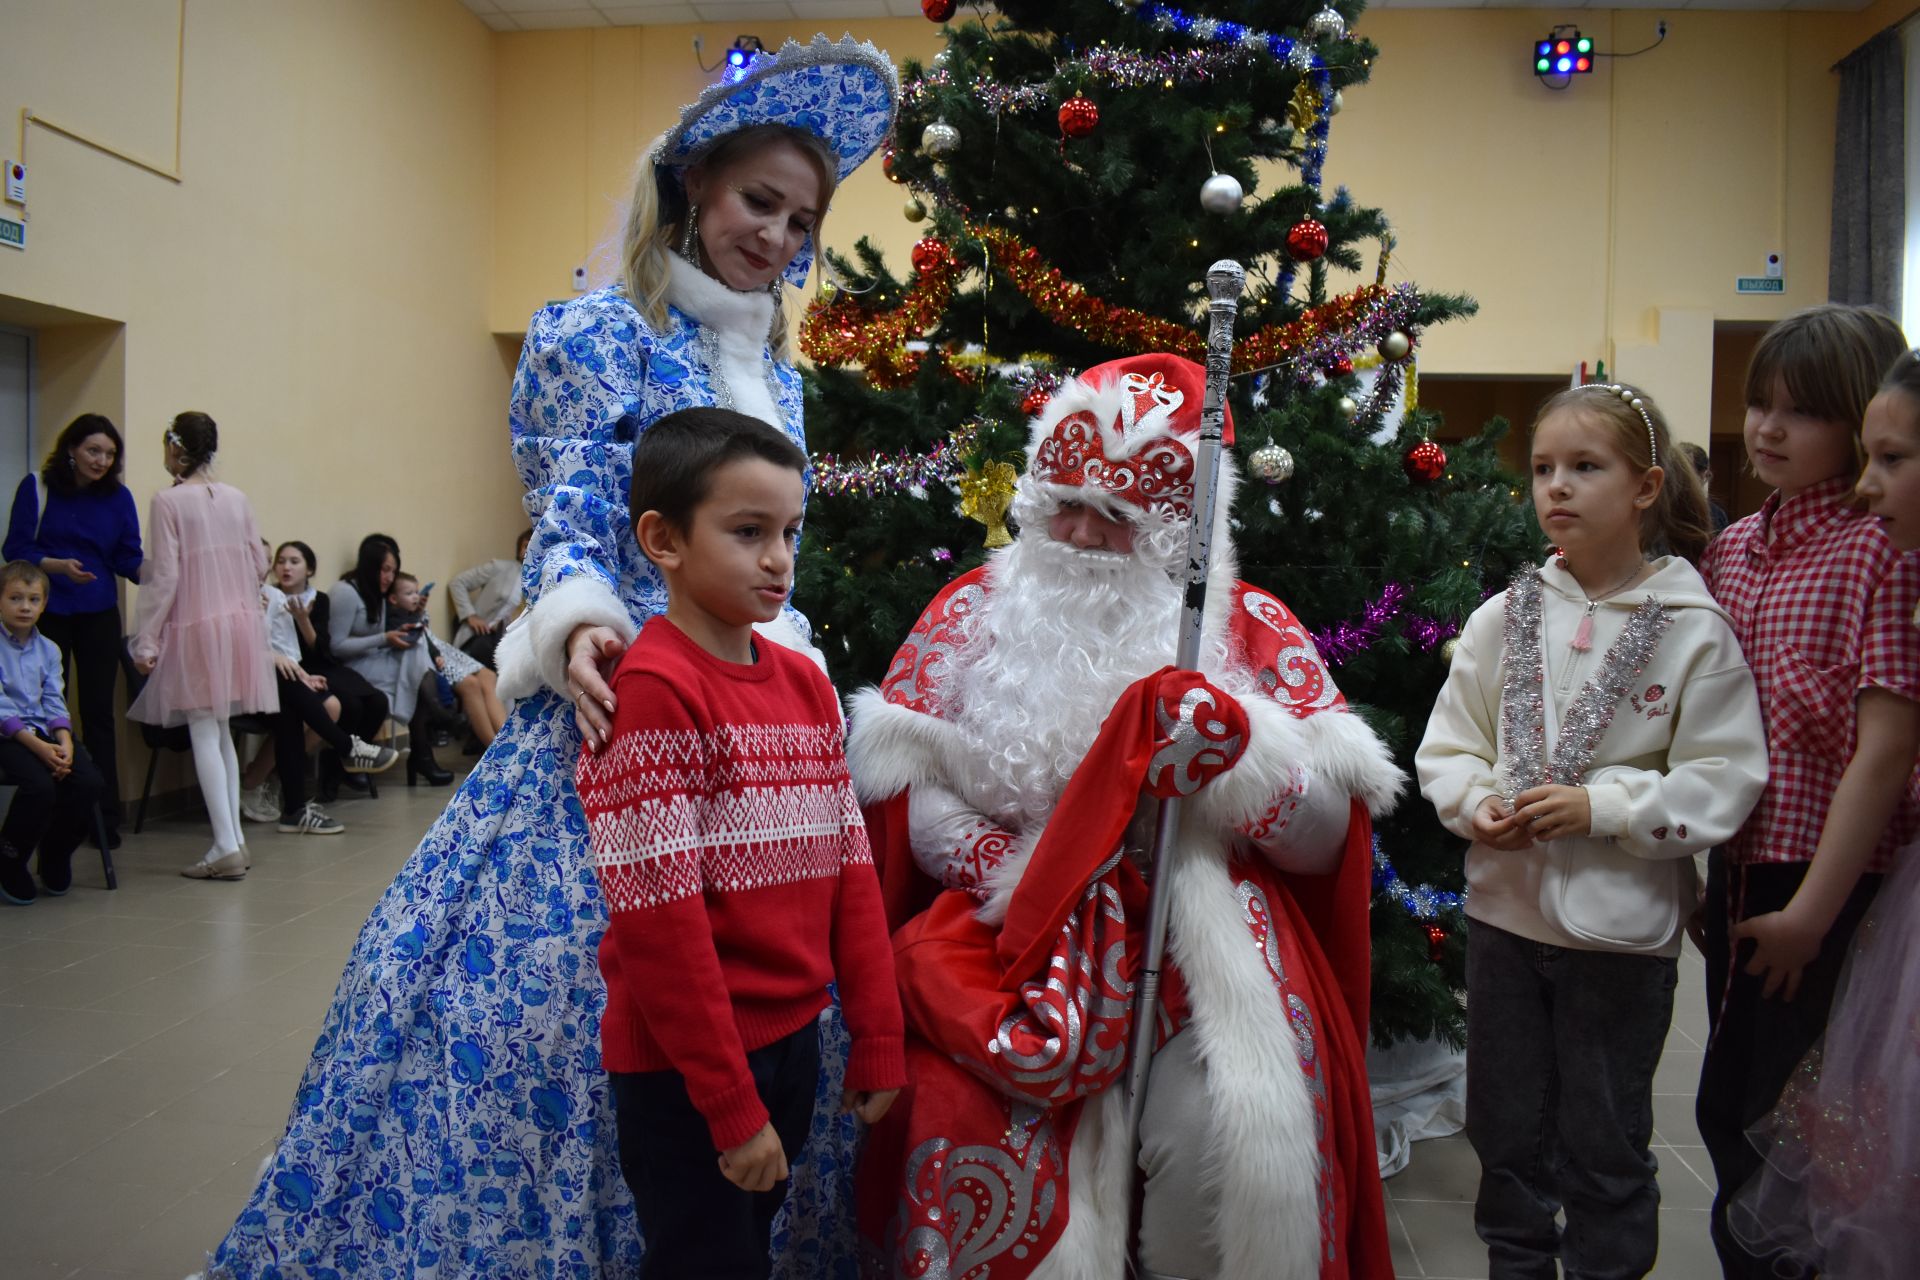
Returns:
point(741, 322)
point(713, 304)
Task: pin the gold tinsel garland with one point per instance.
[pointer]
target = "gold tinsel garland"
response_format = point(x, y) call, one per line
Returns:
point(839, 331)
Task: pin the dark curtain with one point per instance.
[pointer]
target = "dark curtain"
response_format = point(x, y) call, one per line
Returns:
point(1869, 176)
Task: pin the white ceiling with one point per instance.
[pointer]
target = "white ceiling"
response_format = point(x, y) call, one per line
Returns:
point(537, 15)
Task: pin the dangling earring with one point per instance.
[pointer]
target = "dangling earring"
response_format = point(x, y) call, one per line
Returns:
point(690, 236)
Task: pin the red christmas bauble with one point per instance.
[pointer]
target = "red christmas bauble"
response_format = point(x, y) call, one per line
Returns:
point(1306, 240)
point(1339, 366)
point(1078, 116)
point(887, 156)
point(1436, 943)
point(1425, 462)
point(1034, 401)
point(929, 254)
point(938, 10)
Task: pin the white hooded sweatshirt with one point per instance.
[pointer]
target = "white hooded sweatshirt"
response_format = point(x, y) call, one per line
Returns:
point(1676, 771)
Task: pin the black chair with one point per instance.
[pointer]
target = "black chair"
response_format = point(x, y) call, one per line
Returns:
point(176, 738)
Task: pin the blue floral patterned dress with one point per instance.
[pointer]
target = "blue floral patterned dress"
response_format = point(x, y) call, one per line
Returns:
point(455, 1120)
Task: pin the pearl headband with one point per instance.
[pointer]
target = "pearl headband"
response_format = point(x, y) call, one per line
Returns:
point(1639, 406)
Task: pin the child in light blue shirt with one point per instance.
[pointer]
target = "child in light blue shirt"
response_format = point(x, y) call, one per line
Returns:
point(56, 784)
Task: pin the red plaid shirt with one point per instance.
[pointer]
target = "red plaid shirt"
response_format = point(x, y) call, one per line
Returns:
point(1823, 605)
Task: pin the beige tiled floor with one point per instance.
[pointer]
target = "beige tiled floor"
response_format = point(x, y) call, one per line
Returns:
point(150, 1040)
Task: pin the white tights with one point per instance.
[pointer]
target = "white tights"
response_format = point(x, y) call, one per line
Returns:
point(218, 766)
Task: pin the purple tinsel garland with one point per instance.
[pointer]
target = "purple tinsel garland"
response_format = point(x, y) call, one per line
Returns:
point(1344, 641)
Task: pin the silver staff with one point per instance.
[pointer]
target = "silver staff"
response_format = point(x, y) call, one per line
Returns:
point(1225, 280)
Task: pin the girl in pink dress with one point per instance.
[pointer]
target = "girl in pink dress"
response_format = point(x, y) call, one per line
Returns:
point(198, 635)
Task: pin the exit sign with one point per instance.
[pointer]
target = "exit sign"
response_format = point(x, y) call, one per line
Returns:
point(13, 234)
point(1759, 284)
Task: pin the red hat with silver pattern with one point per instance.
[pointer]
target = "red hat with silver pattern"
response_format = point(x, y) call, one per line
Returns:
point(1125, 431)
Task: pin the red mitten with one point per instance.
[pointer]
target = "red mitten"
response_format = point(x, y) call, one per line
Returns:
point(1199, 732)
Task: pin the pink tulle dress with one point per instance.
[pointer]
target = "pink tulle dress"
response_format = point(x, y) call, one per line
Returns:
point(198, 613)
point(1840, 1189)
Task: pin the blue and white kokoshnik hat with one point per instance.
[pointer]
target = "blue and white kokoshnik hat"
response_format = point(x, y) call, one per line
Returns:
point(845, 92)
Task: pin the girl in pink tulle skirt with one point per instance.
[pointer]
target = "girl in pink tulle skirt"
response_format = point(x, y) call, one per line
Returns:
point(198, 632)
point(1840, 1189)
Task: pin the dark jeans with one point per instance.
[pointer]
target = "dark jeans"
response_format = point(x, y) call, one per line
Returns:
point(1561, 1048)
point(90, 650)
point(694, 1222)
point(300, 709)
point(1755, 1043)
point(50, 816)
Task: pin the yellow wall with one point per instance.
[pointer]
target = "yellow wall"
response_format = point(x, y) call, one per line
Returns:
point(576, 108)
point(1603, 222)
point(317, 279)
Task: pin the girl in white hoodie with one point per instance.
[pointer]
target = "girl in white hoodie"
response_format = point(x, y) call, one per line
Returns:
point(1598, 728)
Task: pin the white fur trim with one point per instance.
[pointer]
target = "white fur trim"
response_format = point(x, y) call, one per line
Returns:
point(1263, 1160)
point(1336, 747)
point(784, 631)
point(891, 748)
point(999, 882)
point(1276, 742)
point(741, 321)
point(1343, 751)
point(1093, 1244)
point(533, 652)
point(1264, 1165)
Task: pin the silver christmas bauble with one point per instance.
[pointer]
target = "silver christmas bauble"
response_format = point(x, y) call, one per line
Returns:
point(1395, 346)
point(1339, 101)
point(1221, 193)
point(939, 139)
point(1349, 407)
point(1271, 463)
point(1327, 24)
point(913, 209)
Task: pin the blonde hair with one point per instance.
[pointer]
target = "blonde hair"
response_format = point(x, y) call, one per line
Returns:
point(1832, 358)
point(657, 215)
point(1679, 514)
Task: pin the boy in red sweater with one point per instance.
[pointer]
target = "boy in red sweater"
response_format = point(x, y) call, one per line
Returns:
point(733, 859)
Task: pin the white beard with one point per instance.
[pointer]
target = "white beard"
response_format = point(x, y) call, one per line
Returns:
point(1061, 635)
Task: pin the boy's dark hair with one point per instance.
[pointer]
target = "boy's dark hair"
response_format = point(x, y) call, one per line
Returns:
point(1702, 462)
point(23, 571)
point(399, 577)
point(196, 436)
point(57, 470)
point(675, 458)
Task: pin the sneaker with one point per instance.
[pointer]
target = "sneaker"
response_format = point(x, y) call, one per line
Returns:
point(365, 757)
point(16, 885)
point(227, 866)
point(311, 821)
point(261, 803)
point(56, 873)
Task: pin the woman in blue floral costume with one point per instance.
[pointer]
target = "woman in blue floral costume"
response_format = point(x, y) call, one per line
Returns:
point(455, 1120)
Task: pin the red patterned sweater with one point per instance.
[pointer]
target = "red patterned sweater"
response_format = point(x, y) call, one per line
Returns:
point(735, 865)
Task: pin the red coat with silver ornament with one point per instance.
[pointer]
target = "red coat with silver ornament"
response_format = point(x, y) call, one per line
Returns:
point(1017, 967)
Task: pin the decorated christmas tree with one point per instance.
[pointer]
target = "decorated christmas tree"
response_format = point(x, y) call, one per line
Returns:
point(1077, 165)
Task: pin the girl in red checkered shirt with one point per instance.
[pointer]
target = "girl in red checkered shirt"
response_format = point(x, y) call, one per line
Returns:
point(1823, 603)
point(1843, 1159)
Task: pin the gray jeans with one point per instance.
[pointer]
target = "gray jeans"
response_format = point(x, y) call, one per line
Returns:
point(1561, 1048)
point(1176, 1220)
